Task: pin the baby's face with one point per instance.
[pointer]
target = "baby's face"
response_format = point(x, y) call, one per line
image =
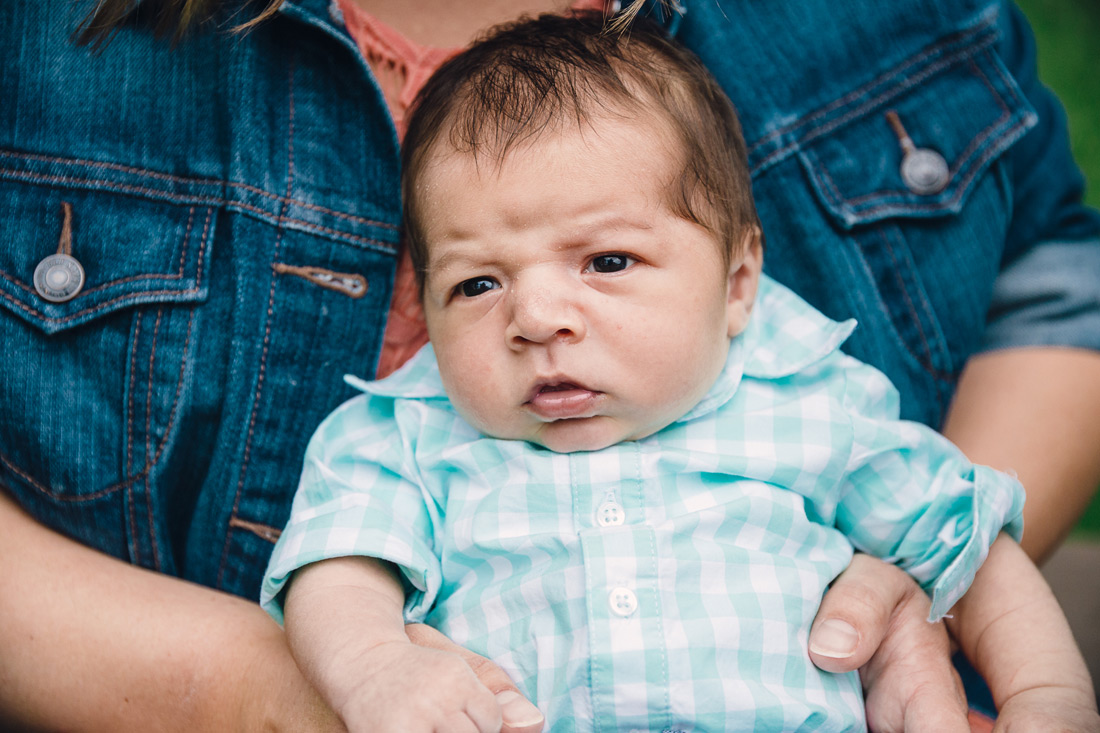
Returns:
point(567, 304)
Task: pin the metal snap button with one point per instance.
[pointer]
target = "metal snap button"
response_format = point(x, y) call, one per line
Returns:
point(623, 602)
point(924, 171)
point(58, 278)
point(610, 514)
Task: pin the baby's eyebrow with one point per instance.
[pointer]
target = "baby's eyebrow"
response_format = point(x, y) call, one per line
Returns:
point(600, 232)
point(457, 257)
point(612, 222)
point(468, 255)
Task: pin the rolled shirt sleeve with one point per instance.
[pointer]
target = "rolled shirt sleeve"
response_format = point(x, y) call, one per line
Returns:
point(359, 496)
point(912, 498)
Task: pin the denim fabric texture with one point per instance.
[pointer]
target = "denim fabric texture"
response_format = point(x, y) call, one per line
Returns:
point(235, 207)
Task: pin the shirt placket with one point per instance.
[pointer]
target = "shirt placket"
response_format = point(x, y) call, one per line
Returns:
point(628, 668)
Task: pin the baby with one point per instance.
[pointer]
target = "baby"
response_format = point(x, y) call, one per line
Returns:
point(628, 464)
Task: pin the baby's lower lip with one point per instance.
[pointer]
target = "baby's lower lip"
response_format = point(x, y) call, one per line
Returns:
point(564, 404)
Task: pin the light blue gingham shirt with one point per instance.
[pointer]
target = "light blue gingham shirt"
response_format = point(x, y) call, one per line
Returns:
point(666, 584)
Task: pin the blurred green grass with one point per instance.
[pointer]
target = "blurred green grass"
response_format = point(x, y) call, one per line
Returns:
point(1067, 33)
point(1068, 36)
point(1089, 526)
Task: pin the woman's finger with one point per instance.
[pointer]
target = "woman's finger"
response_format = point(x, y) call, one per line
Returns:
point(874, 618)
point(856, 612)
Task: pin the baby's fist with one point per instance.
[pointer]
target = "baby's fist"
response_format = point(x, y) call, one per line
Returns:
point(412, 689)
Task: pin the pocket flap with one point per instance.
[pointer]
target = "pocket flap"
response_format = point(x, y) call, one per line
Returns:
point(966, 112)
point(132, 250)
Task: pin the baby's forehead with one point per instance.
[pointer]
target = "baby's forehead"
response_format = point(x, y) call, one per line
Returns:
point(643, 126)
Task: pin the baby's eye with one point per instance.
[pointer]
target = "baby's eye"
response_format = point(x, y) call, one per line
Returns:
point(476, 286)
point(611, 263)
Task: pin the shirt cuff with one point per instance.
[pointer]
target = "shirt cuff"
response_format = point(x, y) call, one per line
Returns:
point(998, 505)
point(315, 539)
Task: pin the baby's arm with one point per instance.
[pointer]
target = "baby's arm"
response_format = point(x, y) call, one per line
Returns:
point(1012, 629)
point(345, 626)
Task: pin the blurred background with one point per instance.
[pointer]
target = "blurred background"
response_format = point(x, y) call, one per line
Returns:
point(1068, 37)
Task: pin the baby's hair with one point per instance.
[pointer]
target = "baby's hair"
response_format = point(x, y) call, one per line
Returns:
point(538, 76)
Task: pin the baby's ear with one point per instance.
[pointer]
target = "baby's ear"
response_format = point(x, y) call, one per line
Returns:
point(744, 278)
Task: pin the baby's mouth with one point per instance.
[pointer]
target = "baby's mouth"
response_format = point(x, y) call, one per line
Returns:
point(563, 387)
point(562, 401)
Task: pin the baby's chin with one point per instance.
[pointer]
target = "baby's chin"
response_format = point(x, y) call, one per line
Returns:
point(584, 434)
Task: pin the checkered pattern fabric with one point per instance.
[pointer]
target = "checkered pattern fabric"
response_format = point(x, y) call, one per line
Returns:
point(666, 584)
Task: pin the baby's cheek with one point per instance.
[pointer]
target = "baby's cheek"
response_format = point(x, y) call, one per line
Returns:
point(687, 366)
point(466, 391)
point(470, 386)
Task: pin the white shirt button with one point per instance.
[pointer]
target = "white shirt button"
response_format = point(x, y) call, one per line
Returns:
point(610, 514)
point(623, 601)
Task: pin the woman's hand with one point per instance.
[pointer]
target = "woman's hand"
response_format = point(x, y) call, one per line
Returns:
point(874, 619)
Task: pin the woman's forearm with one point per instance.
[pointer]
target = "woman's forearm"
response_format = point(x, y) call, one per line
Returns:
point(90, 643)
point(1035, 412)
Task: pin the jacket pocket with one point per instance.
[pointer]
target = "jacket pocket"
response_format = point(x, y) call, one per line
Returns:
point(92, 384)
point(131, 251)
point(920, 254)
point(951, 118)
point(930, 240)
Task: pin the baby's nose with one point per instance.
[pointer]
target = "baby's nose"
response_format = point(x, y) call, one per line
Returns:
point(542, 313)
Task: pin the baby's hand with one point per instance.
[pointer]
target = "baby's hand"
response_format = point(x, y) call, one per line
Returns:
point(1049, 709)
point(402, 687)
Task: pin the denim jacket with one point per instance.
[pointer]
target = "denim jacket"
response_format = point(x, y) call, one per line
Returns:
point(233, 203)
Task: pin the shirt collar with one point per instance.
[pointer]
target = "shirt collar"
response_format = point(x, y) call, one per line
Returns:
point(418, 378)
point(785, 335)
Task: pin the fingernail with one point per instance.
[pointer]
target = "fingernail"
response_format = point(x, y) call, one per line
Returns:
point(834, 638)
point(516, 711)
